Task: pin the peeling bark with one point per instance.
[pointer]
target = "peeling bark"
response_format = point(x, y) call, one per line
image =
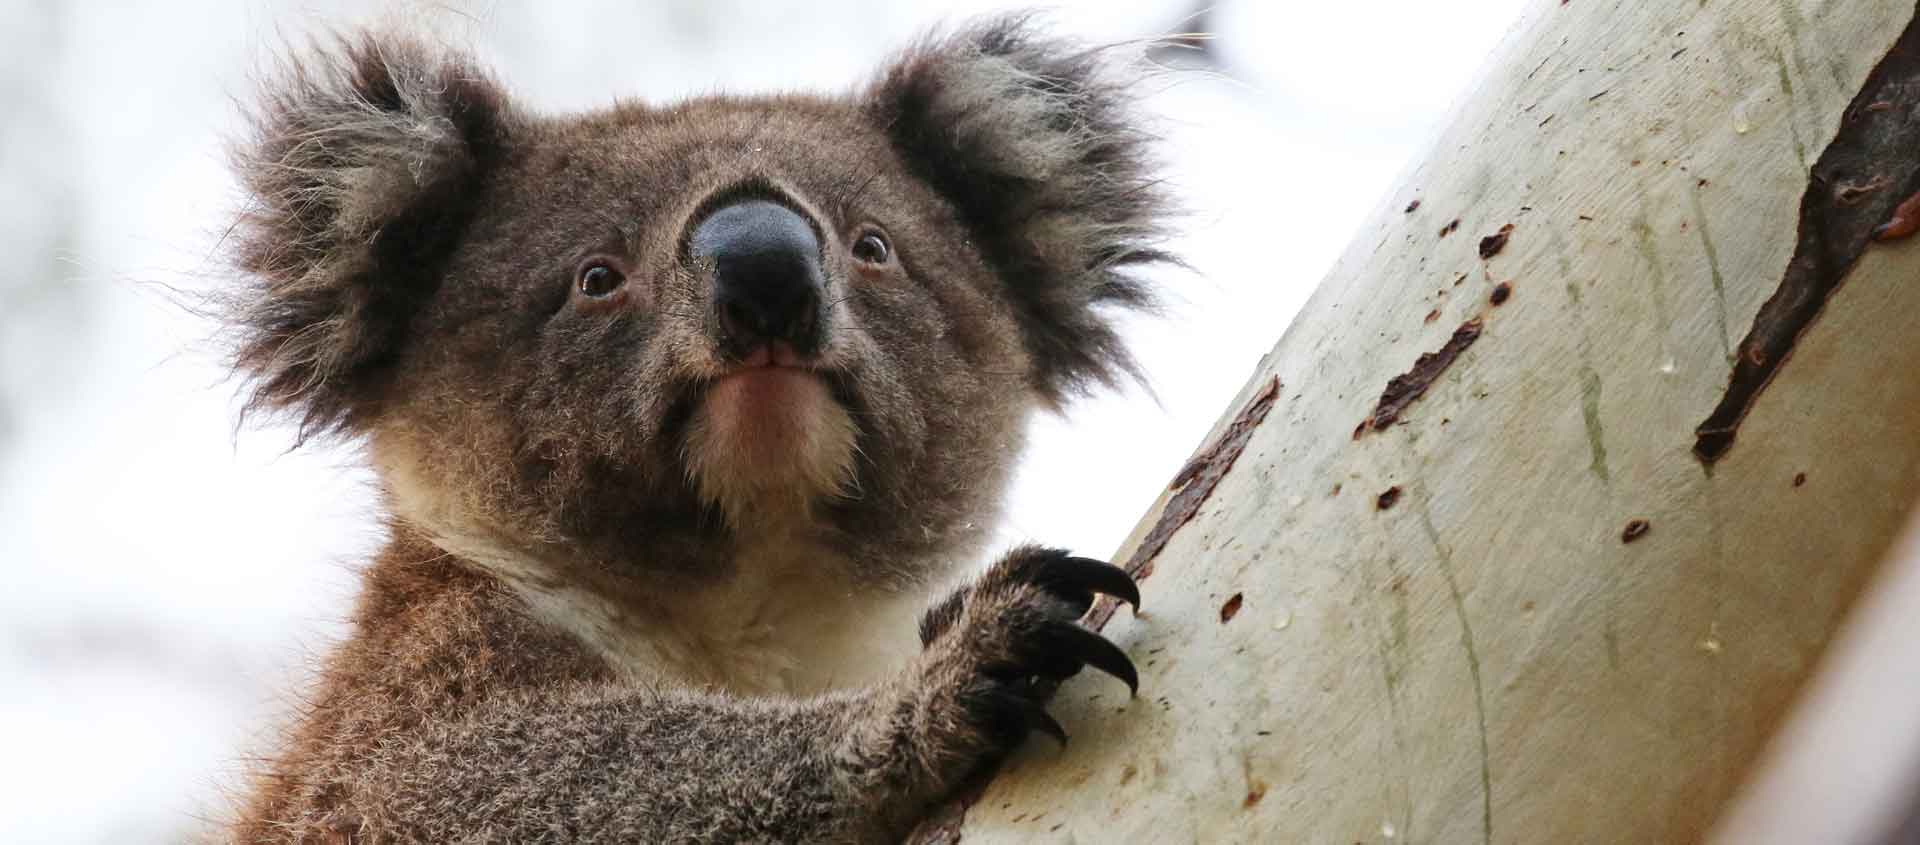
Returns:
point(1862, 190)
point(1409, 386)
point(1491, 245)
point(1192, 486)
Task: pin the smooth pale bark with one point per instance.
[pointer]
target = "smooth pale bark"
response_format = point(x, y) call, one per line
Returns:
point(1846, 767)
point(1486, 659)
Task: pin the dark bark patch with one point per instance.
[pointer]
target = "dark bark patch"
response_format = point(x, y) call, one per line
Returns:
point(1232, 607)
point(1192, 485)
point(1878, 144)
point(1407, 387)
point(1491, 245)
point(1635, 530)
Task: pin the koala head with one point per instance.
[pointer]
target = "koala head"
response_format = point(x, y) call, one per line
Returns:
point(634, 337)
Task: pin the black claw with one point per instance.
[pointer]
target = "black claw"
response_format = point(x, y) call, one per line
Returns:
point(1044, 722)
point(1098, 575)
point(1005, 715)
point(1055, 663)
point(1100, 654)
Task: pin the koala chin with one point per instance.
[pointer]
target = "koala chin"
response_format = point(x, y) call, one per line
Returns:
point(766, 443)
point(680, 413)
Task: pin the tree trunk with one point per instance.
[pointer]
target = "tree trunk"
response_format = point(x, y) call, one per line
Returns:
point(1846, 766)
point(1530, 528)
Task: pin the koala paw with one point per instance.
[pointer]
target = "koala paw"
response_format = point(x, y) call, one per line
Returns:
point(996, 649)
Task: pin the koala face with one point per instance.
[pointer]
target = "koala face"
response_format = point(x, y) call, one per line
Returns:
point(633, 338)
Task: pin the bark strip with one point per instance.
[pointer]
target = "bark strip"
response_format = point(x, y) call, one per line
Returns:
point(1194, 483)
point(1853, 191)
point(1412, 384)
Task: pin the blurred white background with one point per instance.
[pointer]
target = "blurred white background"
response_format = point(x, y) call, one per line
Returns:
point(165, 574)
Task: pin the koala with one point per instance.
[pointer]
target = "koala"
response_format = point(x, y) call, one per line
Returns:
point(680, 413)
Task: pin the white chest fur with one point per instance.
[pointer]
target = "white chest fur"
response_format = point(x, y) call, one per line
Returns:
point(790, 622)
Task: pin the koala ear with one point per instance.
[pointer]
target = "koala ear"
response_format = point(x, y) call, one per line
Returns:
point(1036, 144)
point(360, 171)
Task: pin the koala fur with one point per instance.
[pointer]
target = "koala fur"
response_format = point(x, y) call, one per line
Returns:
point(637, 589)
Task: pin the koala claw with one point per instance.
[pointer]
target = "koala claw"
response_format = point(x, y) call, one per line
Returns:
point(1078, 578)
point(1090, 649)
point(1046, 724)
point(1056, 650)
point(1016, 630)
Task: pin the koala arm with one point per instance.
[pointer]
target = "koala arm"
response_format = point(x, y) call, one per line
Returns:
point(603, 764)
point(597, 760)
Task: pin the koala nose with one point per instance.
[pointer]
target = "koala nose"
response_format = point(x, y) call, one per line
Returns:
point(767, 279)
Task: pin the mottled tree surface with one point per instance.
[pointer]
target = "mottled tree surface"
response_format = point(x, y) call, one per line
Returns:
point(1558, 583)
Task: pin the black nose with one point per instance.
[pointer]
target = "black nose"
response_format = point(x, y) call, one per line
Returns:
point(767, 279)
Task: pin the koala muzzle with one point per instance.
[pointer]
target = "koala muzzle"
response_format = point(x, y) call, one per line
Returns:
point(767, 280)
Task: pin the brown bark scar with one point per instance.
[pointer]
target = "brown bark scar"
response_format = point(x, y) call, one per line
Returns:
point(1905, 221)
point(1878, 144)
point(1192, 485)
point(1491, 245)
point(1409, 386)
point(1232, 607)
point(1635, 530)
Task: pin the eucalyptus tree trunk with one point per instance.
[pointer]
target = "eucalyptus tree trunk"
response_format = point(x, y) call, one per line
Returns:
point(1535, 521)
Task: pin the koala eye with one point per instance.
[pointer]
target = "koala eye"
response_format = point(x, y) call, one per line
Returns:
point(872, 248)
point(599, 279)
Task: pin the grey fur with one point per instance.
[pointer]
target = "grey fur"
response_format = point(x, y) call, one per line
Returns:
point(589, 624)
